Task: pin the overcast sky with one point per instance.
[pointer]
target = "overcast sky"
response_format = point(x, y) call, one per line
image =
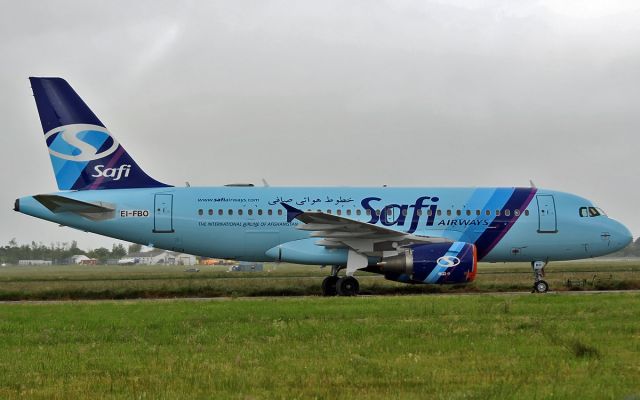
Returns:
point(403, 93)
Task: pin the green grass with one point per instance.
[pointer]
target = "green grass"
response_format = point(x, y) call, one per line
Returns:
point(128, 282)
point(408, 347)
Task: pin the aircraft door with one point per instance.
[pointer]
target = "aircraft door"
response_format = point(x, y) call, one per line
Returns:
point(547, 221)
point(163, 213)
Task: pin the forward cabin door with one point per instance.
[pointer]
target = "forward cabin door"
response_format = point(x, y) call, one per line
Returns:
point(547, 221)
point(163, 213)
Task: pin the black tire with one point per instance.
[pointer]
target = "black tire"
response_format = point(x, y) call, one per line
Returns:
point(541, 287)
point(329, 286)
point(348, 286)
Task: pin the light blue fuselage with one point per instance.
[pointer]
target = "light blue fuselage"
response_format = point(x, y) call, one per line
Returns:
point(250, 223)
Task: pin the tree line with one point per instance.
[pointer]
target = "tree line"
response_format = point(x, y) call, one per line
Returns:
point(60, 251)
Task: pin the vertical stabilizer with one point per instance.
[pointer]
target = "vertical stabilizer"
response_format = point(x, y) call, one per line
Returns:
point(84, 154)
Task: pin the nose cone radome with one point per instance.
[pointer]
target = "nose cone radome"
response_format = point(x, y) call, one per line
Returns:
point(620, 235)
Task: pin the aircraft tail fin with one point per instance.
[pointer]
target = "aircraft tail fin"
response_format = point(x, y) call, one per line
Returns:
point(84, 154)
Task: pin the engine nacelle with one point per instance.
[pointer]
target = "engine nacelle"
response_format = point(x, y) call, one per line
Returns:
point(432, 263)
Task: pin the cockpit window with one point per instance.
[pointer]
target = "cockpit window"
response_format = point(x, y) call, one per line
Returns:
point(601, 211)
point(593, 212)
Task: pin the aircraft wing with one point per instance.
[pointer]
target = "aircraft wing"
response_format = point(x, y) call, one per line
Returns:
point(59, 204)
point(363, 238)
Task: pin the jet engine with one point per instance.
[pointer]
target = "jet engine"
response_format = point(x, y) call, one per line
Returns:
point(432, 263)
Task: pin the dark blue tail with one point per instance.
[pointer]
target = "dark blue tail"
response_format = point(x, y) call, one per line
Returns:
point(83, 153)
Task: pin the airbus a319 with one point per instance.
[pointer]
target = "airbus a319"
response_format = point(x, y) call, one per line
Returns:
point(421, 235)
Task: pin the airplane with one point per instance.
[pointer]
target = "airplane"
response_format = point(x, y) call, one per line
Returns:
point(418, 235)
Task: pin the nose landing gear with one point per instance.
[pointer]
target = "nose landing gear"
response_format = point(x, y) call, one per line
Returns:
point(539, 285)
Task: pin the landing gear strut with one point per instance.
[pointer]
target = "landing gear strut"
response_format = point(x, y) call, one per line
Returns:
point(333, 285)
point(539, 285)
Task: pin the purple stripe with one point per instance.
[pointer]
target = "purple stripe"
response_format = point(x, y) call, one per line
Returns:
point(490, 238)
point(112, 161)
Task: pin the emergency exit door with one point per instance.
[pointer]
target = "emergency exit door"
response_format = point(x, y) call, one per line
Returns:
point(163, 213)
point(547, 221)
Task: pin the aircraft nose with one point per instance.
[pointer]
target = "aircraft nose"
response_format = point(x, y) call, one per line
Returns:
point(620, 235)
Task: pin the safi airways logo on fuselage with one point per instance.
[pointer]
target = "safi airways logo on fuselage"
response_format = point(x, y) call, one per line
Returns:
point(380, 212)
point(83, 143)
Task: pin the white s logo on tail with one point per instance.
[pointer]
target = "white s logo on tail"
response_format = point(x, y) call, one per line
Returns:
point(89, 143)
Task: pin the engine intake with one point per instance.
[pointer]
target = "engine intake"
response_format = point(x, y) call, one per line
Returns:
point(432, 263)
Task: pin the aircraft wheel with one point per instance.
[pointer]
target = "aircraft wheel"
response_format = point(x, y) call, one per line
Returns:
point(347, 286)
point(329, 286)
point(541, 287)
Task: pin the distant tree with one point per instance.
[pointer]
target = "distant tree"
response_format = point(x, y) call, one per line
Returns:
point(118, 251)
point(134, 248)
point(101, 254)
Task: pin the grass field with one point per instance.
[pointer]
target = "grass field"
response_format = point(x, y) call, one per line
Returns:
point(120, 282)
point(525, 346)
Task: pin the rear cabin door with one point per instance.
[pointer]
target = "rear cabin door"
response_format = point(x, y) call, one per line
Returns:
point(163, 213)
point(547, 221)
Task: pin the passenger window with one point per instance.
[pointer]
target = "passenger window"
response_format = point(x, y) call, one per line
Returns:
point(348, 211)
point(270, 211)
point(507, 212)
point(338, 212)
point(239, 212)
point(220, 212)
point(468, 212)
point(250, 211)
point(439, 212)
point(230, 212)
point(200, 212)
point(210, 212)
point(478, 212)
point(389, 212)
point(368, 211)
point(497, 213)
point(526, 212)
point(328, 211)
point(429, 212)
point(448, 212)
point(259, 211)
point(419, 213)
point(378, 213)
point(516, 212)
point(358, 212)
point(404, 212)
point(279, 212)
point(458, 212)
point(488, 212)
point(583, 212)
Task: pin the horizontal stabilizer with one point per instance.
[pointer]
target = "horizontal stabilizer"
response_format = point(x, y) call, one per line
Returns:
point(59, 204)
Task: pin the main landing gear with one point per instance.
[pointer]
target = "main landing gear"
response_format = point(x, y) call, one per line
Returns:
point(343, 286)
point(539, 285)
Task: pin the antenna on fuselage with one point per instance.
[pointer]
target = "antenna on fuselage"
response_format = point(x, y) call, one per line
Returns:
point(265, 183)
point(533, 185)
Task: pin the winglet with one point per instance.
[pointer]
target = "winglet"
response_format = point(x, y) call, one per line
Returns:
point(292, 212)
